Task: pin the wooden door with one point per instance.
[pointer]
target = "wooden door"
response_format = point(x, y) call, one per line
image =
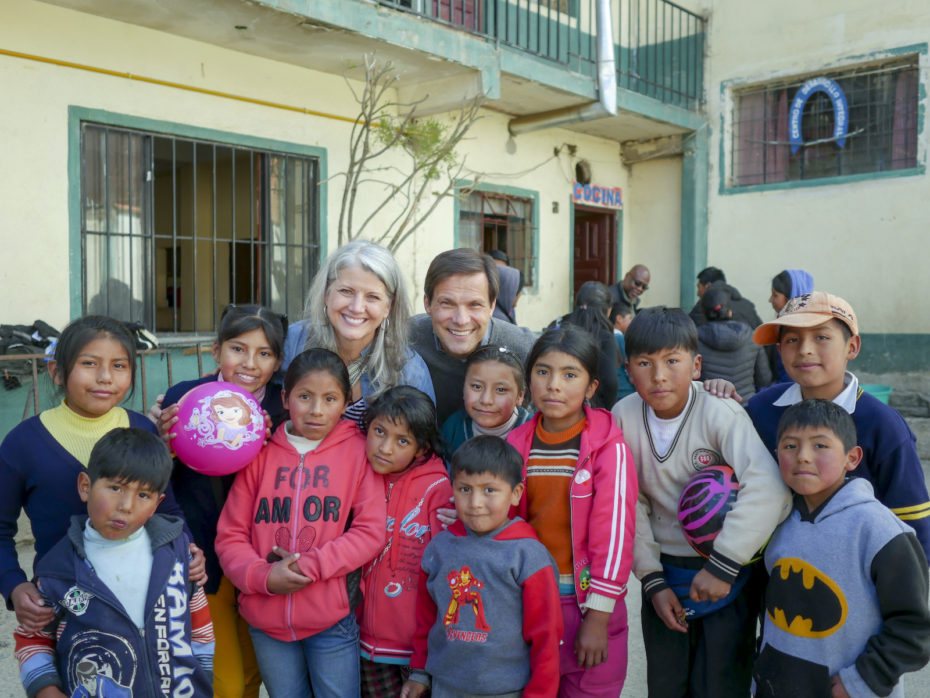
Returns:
point(595, 247)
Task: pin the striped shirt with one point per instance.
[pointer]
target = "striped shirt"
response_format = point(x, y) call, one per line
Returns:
point(550, 467)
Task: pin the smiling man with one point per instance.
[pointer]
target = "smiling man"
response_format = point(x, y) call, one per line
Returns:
point(460, 291)
point(633, 285)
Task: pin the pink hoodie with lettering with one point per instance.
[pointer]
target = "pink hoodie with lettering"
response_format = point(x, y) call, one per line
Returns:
point(302, 503)
point(387, 615)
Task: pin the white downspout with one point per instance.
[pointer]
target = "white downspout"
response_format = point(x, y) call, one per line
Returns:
point(606, 86)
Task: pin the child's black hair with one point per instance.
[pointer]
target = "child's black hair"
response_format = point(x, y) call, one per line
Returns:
point(715, 304)
point(415, 408)
point(820, 414)
point(709, 275)
point(844, 328)
point(592, 304)
point(619, 310)
point(81, 332)
point(781, 283)
point(491, 352)
point(239, 319)
point(657, 328)
point(570, 340)
point(131, 455)
point(488, 454)
point(318, 359)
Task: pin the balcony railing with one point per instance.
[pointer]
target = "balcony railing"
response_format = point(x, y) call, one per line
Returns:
point(175, 360)
point(659, 46)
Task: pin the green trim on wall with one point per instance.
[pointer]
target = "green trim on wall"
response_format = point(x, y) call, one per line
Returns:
point(727, 86)
point(77, 115)
point(473, 51)
point(509, 191)
point(619, 245)
point(571, 252)
point(694, 193)
point(893, 353)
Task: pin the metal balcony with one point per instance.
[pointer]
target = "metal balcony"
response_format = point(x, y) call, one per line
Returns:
point(659, 49)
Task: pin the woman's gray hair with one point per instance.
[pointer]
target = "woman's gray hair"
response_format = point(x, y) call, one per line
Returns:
point(388, 352)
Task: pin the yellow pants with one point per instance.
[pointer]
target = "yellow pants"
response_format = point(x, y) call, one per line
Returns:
point(235, 669)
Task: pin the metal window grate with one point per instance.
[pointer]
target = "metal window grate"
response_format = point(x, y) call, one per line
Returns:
point(881, 135)
point(175, 229)
point(491, 221)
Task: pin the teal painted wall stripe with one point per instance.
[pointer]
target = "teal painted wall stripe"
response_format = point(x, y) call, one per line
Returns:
point(508, 191)
point(478, 53)
point(77, 115)
point(694, 192)
point(893, 353)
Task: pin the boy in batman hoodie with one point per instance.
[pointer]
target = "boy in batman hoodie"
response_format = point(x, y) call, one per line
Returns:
point(846, 603)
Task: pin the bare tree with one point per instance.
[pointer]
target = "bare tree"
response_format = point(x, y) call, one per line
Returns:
point(430, 165)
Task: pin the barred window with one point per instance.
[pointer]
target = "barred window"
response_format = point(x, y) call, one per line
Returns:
point(491, 221)
point(175, 229)
point(795, 130)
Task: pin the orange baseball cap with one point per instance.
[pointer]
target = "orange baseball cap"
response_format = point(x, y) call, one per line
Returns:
point(809, 310)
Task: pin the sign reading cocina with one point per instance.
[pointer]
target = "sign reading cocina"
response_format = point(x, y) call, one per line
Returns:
point(596, 195)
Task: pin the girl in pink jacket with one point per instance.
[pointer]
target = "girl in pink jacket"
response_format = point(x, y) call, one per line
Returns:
point(299, 522)
point(404, 447)
point(580, 498)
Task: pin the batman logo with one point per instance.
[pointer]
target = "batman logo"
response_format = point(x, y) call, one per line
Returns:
point(803, 601)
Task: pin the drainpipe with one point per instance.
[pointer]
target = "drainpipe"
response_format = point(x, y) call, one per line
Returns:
point(606, 86)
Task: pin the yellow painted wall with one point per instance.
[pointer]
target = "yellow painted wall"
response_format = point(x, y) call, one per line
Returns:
point(34, 181)
point(865, 241)
point(652, 227)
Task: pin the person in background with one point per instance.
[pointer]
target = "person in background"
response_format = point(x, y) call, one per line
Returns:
point(726, 347)
point(592, 314)
point(789, 284)
point(511, 285)
point(743, 309)
point(628, 290)
point(621, 317)
point(785, 286)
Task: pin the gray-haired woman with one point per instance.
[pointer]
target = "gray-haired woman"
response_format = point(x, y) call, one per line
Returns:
point(357, 306)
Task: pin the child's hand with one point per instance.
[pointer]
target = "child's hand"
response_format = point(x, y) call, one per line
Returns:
point(707, 587)
point(267, 426)
point(31, 611)
point(669, 610)
point(837, 689)
point(412, 689)
point(155, 410)
point(197, 567)
point(722, 388)
point(447, 515)
point(591, 639)
point(167, 419)
point(51, 692)
point(285, 577)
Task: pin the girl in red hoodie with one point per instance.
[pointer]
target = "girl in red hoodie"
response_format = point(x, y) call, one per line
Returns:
point(403, 446)
point(300, 520)
point(580, 497)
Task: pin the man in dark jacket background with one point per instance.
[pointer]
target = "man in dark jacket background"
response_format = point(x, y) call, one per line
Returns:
point(743, 308)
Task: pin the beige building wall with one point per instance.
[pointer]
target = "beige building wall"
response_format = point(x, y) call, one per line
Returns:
point(863, 240)
point(652, 228)
point(34, 182)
